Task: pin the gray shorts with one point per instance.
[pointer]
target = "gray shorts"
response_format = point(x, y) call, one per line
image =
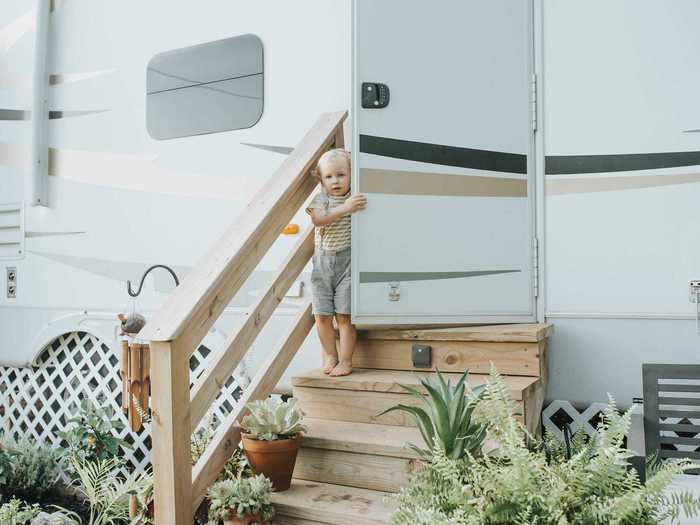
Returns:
point(330, 283)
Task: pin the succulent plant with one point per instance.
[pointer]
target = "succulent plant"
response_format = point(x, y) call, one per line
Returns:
point(240, 498)
point(272, 419)
point(446, 422)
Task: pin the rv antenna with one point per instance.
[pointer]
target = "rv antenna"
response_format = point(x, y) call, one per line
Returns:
point(143, 278)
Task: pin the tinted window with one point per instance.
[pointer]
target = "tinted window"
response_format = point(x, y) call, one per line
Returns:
point(217, 86)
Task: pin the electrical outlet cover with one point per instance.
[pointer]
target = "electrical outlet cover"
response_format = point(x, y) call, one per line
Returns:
point(421, 356)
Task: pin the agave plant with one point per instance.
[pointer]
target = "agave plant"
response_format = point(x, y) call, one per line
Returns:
point(446, 422)
point(271, 419)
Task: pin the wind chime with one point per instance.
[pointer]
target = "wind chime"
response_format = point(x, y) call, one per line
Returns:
point(136, 361)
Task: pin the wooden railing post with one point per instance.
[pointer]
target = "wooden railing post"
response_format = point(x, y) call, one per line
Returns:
point(170, 431)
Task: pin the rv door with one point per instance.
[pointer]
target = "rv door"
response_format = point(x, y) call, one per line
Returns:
point(442, 147)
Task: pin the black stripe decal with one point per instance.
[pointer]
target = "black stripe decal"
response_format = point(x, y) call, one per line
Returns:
point(578, 164)
point(479, 159)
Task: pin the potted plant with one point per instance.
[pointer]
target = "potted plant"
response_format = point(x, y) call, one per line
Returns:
point(241, 501)
point(271, 436)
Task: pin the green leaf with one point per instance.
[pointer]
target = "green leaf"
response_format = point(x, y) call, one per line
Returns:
point(422, 420)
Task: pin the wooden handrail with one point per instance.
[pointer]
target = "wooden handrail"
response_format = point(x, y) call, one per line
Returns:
point(207, 387)
point(197, 303)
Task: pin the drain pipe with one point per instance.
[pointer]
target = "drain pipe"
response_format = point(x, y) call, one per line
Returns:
point(40, 110)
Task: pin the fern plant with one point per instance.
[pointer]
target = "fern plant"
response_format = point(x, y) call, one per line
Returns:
point(107, 493)
point(446, 421)
point(521, 485)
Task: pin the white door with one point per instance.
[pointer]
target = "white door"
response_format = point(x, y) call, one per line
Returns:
point(445, 160)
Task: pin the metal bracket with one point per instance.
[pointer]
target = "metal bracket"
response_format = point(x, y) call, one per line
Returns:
point(533, 101)
point(394, 292)
point(694, 290)
point(536, 266)
point(143, 278)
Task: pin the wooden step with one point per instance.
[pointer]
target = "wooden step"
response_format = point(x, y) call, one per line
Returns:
point(357, 454)
point(363, 395)
point(383, 381)
point(311, 502)
point(495, 333)
point(288, 520)
point(361, 438)
point(513, 349)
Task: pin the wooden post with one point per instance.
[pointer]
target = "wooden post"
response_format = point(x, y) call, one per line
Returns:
point(170, 432)
point(339, 137)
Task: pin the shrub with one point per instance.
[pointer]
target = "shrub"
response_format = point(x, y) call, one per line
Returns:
point(30, 468)
point(91, 436)
point(15, 512)
point(522, 485)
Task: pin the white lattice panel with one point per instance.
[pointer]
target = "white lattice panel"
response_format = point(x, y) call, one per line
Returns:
point(37, 401)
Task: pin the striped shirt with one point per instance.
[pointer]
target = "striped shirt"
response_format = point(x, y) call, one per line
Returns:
point(333, 237)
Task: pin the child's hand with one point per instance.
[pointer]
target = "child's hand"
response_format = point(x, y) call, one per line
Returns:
point(356, 203)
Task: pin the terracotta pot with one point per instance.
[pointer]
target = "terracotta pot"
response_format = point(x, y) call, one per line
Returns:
point(253, 518)
point(275, 459)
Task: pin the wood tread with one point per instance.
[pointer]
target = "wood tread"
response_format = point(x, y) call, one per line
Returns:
point(361, 438)
point(494, 333)
point(371, 380)
point(330, 504)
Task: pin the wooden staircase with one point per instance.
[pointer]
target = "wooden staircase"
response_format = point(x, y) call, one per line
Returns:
point(351, 457)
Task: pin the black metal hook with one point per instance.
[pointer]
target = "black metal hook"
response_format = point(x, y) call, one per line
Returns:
point(143, 278)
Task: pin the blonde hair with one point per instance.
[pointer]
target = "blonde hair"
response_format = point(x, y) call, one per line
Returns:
point(331, 156)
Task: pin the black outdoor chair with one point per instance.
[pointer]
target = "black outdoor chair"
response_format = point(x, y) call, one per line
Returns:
point(672, 411)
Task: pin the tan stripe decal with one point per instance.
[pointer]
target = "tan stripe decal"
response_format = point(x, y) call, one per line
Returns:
point(67, 78)
point(565, 186)
point(439, 184)
point(33, 235)
point(21, 81)
point(21, 114)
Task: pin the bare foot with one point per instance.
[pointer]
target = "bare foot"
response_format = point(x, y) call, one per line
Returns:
point(341, 369)
point(330, 364)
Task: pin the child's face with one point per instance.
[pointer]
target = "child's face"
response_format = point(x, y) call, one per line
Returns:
point(335, 177)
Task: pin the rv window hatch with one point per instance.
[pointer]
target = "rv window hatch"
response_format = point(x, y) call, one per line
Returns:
point(207, 88)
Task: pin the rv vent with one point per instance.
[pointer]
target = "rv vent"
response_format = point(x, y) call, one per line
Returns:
point(11, 231)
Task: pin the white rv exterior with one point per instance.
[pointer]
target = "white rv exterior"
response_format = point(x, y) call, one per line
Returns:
point(606, 235)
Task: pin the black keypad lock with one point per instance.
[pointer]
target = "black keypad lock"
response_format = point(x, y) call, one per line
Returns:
point(374, 95)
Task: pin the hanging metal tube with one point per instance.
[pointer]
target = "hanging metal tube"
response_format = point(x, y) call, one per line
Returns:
point(40, 108)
